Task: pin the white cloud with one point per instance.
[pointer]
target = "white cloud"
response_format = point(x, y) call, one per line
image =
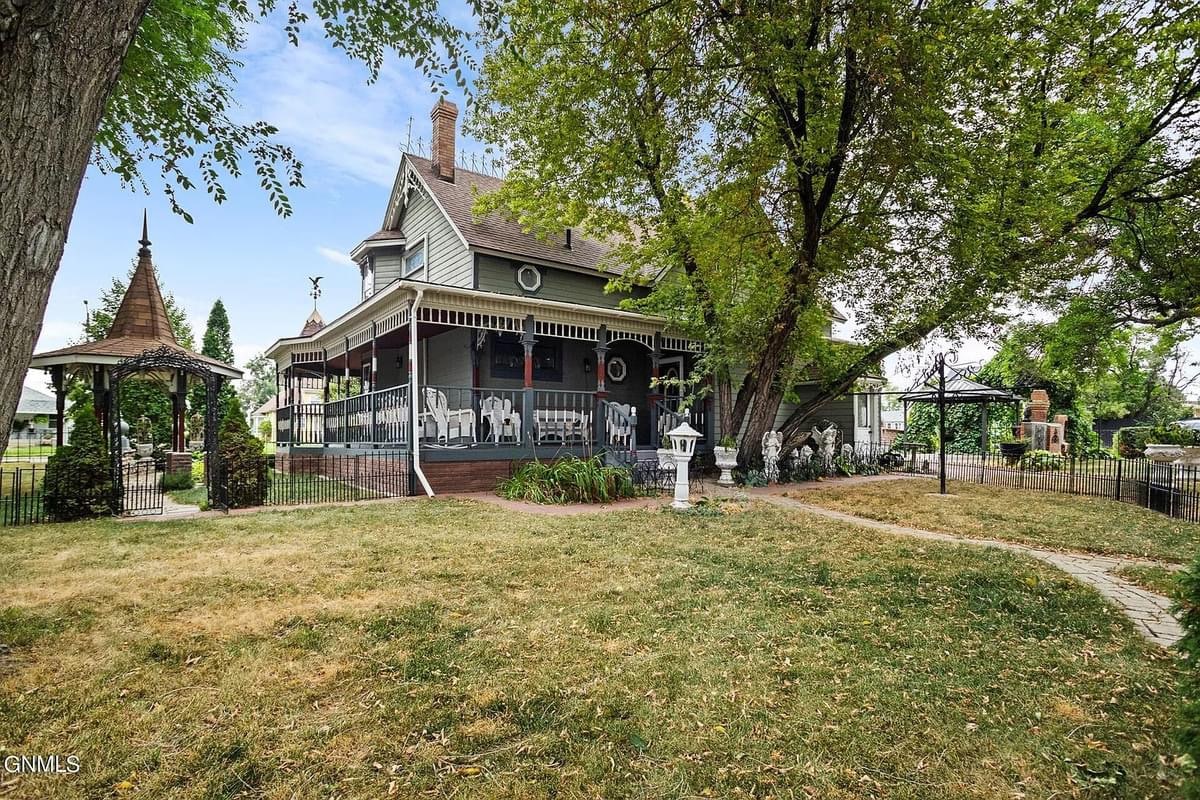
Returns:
point(336, 256)
point(324, 108)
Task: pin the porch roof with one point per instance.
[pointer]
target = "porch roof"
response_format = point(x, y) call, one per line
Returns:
point(389, 309)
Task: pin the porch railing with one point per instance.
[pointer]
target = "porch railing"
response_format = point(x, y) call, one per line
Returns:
point(379, 417)
point(460, 416)
point(670, 414)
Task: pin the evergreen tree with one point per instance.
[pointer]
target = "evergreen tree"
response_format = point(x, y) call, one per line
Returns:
point(241, 453)
point(78, 481)
point(217, 344)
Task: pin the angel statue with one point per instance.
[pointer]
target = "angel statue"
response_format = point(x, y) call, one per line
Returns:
point(826, 441)
point(772, 446)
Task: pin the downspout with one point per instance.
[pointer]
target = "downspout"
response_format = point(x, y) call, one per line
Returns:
point(414, 438)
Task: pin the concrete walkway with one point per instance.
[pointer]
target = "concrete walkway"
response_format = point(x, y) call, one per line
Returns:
point(1150, 612)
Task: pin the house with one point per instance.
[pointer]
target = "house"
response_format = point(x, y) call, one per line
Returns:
point(36, 419)
point(476, 343)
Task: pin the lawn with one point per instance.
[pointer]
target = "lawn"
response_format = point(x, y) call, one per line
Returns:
point(454, 649)
point(1044, 519)
point(1156, 579)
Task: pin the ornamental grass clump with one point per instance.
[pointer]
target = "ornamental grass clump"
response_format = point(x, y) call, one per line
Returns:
point(568, 480)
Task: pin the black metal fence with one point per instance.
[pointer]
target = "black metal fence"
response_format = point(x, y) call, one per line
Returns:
point(286, 480)
point(1171, 489)
point(21, 491)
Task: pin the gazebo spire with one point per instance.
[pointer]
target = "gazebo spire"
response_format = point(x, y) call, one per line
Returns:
point(145, 240)
point(143, 314)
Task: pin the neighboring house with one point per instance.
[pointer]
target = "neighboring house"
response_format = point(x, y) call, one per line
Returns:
point(264, 412)
point(511, 345)
point(36, 419)
point(892, 420)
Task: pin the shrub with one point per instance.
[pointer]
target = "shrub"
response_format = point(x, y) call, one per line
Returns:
point(243, 469)
point(568, 480)
point(1187, 608)
point(78, 481)
point(1042, 461)
point(1131, 442)
point(178, 481)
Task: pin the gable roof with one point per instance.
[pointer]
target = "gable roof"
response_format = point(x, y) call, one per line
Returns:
point(34, 402)
point(499, 233)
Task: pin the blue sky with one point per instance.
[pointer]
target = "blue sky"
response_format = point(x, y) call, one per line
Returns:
point(348, 134)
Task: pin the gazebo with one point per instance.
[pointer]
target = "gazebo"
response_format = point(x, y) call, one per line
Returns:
point(942, 389)
point(140, 341)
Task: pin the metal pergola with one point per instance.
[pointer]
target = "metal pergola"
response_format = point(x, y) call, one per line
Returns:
point(947, 384)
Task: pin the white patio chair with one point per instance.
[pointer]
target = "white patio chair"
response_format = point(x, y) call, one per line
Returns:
point(503, 422)
point(619, 420)
point(449, 420)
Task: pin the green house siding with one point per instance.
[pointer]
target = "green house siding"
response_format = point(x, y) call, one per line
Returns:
point(448, 259)
point(493, 274)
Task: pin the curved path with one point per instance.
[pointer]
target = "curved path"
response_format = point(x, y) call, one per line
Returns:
point(1150, 612)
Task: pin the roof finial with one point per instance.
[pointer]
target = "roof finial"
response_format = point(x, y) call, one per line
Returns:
point(145, 240)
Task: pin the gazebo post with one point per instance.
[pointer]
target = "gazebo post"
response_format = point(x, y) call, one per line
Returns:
point(60, 402)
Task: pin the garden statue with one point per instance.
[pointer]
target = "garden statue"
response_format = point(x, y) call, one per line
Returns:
point(826, 441)
point(802, 455)
point(772, 446)
point(847, 452)
point(195, 431)
point(144, 437)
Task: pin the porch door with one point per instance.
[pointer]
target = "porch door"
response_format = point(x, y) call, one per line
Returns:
point(671, 369)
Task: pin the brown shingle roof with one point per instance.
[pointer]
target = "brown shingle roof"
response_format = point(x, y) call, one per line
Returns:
point(502, 234)
point(313, 324)
point(140, 324)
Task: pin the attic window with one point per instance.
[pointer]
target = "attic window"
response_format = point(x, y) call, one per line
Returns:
point(529, 277)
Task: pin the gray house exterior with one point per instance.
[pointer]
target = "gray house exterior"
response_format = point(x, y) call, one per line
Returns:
point(476, 344)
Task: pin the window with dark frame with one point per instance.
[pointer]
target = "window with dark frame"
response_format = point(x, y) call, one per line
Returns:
point(508, 359)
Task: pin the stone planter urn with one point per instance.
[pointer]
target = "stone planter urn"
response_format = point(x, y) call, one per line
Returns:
point(1165, 453)
point(144, 450)
point(727, 459)
point(1191, 457)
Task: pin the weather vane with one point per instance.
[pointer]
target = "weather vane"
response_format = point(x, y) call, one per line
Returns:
point(315, 292)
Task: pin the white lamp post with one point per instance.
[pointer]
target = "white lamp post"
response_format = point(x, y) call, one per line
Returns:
point(683, 447)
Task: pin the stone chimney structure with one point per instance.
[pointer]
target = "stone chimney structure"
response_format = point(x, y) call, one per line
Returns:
point(441, 156)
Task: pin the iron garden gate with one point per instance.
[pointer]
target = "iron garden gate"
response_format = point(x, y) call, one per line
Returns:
point(137, 487)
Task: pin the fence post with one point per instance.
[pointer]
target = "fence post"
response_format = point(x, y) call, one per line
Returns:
point(1118, 493)
point(1071, 487)
point(1149, 472)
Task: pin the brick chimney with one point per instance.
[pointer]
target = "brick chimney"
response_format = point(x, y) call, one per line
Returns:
point(444, 116)
point(1039, 405)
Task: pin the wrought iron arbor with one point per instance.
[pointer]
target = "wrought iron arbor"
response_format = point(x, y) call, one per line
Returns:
point(161, 359)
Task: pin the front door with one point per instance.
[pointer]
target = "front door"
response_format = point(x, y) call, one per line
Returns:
point(671, 372)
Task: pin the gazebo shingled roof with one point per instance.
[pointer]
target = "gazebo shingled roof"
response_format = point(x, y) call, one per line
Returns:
point(141, 324)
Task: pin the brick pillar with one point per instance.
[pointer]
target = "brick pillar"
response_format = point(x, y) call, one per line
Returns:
point(1039, 405)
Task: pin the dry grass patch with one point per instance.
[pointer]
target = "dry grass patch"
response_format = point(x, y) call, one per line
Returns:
point(1043, 519)
point(452, 649)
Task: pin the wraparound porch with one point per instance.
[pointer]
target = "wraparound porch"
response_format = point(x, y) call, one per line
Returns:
point(486, 381)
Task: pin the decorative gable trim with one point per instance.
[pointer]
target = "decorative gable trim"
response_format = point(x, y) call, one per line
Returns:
point(407, 178)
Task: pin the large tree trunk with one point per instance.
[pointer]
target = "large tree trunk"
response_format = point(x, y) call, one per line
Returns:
point(59, 62)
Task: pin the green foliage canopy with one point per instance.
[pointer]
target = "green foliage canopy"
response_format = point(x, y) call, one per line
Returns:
point(919, 163)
